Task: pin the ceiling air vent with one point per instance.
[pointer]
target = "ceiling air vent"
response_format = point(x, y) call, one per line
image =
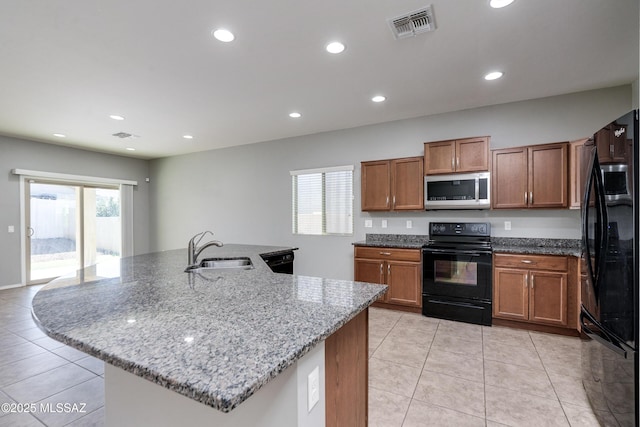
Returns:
point(413, 23)
point(123, 135)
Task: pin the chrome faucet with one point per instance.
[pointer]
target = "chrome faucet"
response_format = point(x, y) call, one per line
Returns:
point(194, 251)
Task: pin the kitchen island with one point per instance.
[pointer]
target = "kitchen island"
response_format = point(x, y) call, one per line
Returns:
point(218, 338)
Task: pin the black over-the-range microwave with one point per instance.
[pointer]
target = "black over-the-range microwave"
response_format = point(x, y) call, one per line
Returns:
point(457, 191)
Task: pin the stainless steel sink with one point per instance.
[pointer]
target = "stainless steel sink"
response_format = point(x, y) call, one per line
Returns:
point(225, 264)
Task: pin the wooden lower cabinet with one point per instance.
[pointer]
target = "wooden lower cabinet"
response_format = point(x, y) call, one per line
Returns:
point(537, 289)
point(400, 269)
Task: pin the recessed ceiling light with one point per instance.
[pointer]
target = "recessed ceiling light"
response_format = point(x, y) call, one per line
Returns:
point(378, 98)
point(295, 115)
point(497, 4)
point(116, 117)
point(131, 149)
point(188, 339)
point(59, 135)
point(187, 136)
point(494, 75)
point(223, 35)
point(335, 47)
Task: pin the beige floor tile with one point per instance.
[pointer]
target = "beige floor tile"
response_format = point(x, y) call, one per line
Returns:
point(457, 365)
point(522, 410)
point(463, 331)
point(580, 416)
point(94, 419)
point(524, 356)
point(402, 352)
point(451, 392)
point(569, 389)
point(518, 379)
point(386, 409)
point(419, 337)
point(422, 414)
point(453, 344)
point(393, 377)
point(419, 322)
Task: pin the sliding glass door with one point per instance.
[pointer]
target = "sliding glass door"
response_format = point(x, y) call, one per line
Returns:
point(69, 226)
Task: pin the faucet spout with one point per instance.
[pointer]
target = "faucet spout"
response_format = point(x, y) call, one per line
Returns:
point(194, 251)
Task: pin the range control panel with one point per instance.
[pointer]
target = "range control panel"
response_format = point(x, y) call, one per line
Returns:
point(477, 229)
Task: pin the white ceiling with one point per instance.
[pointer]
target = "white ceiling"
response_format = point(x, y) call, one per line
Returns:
point(66, 65)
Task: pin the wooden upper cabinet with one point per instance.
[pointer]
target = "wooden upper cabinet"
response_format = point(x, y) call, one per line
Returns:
point(376, 185)
point(459, 155)
point(577, 173)
point(407, 184)
point(509, 178)
point(530, 177)
point(611, 141)
point(393, 185)
point(548, 172)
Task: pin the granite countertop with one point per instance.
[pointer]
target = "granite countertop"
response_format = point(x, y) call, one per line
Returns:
point(401, 241)
point(215, 337)
point(572, 247)
point(520, 245)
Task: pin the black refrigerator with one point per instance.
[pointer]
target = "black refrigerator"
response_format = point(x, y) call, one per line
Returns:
point(609, 272)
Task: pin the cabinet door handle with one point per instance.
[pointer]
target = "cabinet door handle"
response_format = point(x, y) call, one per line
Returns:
point(531, 197)
point(526, 280)
point(388, 272)
point(457, 162)
point(387, 200)
point(611, 150)
point(381, 273)
point(394, 201)
point(526, 199)
point(532, 282)
point(453, 165)
point(527, 261)
point(385, 253)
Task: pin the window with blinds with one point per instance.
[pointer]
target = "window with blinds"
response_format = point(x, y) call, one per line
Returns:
point(323, 201)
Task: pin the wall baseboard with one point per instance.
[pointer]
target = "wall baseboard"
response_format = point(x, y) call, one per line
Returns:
point(17, 285)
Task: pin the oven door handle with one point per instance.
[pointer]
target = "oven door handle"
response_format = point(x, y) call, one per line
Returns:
point(455, 252)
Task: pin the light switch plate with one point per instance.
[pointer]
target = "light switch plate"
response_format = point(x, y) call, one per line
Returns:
point(384, 223)
point(11, 229)
point(368, 223)
point(507, 225)
point(409, 223)
point(313, 388)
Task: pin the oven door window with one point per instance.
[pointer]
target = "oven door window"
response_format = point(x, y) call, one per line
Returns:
point(455, 272)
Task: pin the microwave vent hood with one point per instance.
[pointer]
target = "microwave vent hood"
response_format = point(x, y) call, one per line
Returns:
point(457, 191)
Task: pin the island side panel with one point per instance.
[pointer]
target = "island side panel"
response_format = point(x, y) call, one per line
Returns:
point(346, 373)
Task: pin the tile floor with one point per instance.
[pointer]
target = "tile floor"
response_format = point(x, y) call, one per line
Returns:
point(42, 373)
point(430, 372)
point(422, 372)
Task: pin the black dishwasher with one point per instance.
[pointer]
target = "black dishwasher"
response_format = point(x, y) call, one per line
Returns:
point(280, 262)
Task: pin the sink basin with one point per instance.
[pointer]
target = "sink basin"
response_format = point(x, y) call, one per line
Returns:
point(226, 264)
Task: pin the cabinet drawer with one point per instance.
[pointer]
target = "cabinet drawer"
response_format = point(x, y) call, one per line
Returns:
point(534, 262)
point(388, 253)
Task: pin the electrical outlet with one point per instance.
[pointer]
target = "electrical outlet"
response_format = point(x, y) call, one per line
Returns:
point(384, 223)
point(11, 229)
point(507, 225)
point(409, 223)
point(368, 223)
point(313, 388)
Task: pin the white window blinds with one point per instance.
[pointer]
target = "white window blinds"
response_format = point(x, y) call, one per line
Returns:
point(323, 201)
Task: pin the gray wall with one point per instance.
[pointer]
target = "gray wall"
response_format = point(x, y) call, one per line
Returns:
point(23, 154)
point(243, 193)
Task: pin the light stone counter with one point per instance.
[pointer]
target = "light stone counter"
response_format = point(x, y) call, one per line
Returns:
point(215, 337)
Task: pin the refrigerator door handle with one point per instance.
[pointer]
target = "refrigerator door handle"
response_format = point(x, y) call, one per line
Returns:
point(595, 332)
